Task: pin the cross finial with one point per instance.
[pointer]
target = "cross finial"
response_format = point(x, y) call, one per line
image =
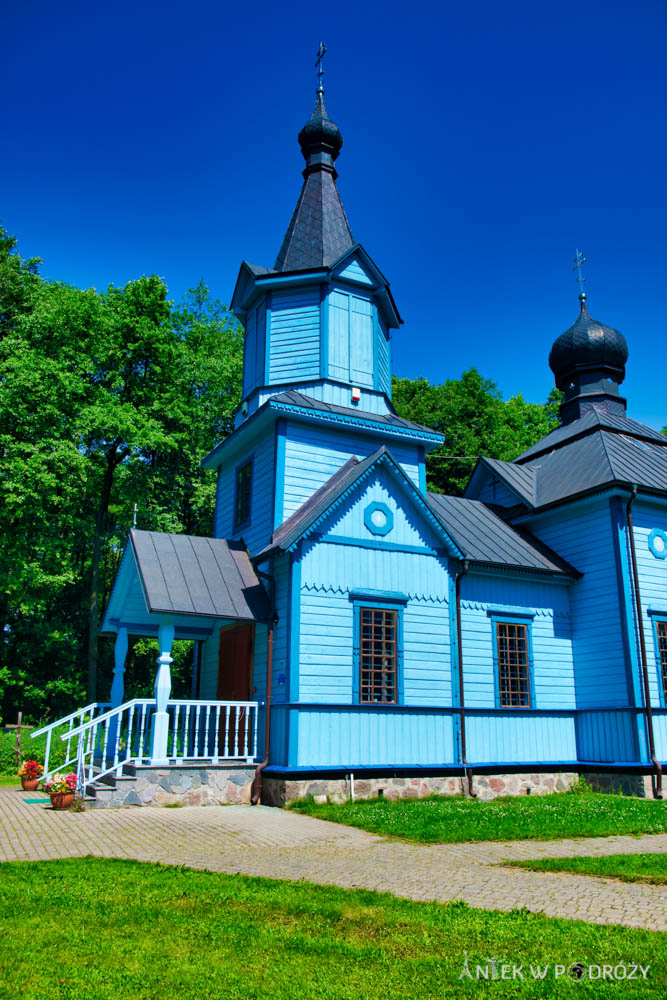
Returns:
point(579, 259)
point(134, 519)
point(320, 68)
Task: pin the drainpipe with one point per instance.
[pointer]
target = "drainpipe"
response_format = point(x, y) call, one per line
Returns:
point(459, 642)
point(657, 783)
point(257, 780)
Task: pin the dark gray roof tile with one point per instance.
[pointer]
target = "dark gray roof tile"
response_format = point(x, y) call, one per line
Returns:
point(485, 538)
point(191, 575)
point(294, 398)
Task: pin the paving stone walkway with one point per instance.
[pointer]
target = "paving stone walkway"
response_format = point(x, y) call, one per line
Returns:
point(280, 844)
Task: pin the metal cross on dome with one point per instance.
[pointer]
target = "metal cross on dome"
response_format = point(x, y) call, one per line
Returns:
point(579, 259)
point(320, 68)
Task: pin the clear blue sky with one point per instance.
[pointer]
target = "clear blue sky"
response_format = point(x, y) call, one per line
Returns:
point(483, 144)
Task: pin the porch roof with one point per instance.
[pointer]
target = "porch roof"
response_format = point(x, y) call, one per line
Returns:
point(187, 575)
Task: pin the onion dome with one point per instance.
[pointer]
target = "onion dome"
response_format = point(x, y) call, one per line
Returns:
point(588, 362)
point(586, 346)
point(319, 131)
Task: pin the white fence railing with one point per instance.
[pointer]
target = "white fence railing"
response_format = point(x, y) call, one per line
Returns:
point(64, 728)
point(213, 731)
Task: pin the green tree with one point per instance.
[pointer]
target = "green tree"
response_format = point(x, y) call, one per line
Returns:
point(106, 400)
point(475, 420)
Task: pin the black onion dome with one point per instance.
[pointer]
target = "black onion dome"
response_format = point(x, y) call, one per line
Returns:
point(587, 346)
point(319, 130)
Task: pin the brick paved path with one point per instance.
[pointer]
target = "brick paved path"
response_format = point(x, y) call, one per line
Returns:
point(280, 844)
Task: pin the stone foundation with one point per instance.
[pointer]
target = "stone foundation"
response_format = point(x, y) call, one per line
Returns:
point(280, 791)
point(177, 786)
point(640, 785)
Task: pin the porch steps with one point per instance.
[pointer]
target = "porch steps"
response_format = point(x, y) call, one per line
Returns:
point(186, 784)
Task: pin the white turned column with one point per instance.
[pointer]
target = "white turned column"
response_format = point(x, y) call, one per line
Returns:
point(162, 691)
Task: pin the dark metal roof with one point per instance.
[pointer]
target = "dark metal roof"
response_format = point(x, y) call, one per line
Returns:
point(318, 233)
point(292, 529)
point(521, 478)
point(316, 506)
point(190, 575)
point(591, 421)
point(293, 398)
point(485, 538)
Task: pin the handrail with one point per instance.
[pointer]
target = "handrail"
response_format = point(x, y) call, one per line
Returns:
point(108, 715)
point(65, 718)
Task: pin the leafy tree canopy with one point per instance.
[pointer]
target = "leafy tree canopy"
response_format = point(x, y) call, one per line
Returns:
point(475, 420)
point(106, 400)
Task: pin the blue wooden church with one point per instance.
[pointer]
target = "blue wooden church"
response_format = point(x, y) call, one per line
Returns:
point(356, 634)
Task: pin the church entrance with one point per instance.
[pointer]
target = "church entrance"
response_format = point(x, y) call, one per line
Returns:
point(234, 678)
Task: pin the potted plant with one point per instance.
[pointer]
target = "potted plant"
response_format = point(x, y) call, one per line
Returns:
point(62, 789)
point(30, 773)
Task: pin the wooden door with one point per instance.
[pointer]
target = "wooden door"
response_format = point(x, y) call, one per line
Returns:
point(234, 680)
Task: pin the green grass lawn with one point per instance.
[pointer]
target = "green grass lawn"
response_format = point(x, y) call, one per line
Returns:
point(104, 929)
point(626, 867)
point(6, 780)
point(453, 819)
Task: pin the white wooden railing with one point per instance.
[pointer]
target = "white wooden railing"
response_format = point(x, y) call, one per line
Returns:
point(69, 723)
point(212, 731)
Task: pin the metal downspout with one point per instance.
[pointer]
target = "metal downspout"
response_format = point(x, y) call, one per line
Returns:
point(459, 644)
point(657, 783)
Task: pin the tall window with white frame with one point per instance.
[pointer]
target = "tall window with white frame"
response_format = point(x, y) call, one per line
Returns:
point(661, 636)
point(243, 494)
point(378, 655)
point(513, 665)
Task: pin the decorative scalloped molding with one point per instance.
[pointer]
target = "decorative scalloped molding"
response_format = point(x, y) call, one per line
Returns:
point(539, 612)
point(321, 588)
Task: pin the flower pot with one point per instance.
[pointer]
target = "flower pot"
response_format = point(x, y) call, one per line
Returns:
point(29, 784)
point(62, 800)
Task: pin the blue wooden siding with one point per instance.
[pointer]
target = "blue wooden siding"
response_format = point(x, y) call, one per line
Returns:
point(607, 736)
point(331, 571)
point(279, 687)
point(358, 736)
point(584, 537)
point(351, 336)
point(551, 637)
point(660, 733)
point(517, 737)
point(383, 364)
point(258, 532)
point(294, 351)
point(254, 347)
point(208, 667)
point(652, 585)
point(353, 271)
point(313, 454)
point(361, 341)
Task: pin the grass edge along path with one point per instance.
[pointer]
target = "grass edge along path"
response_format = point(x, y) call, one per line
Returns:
point(107, 928)
point(648, 868)
point(454, 819)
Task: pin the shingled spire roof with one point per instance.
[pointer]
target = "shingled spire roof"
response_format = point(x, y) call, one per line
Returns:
point(318, 233)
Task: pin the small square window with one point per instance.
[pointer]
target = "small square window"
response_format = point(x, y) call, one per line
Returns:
point(243, 494)
point(661, 635)
point(513, 665)
point(378, 655)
